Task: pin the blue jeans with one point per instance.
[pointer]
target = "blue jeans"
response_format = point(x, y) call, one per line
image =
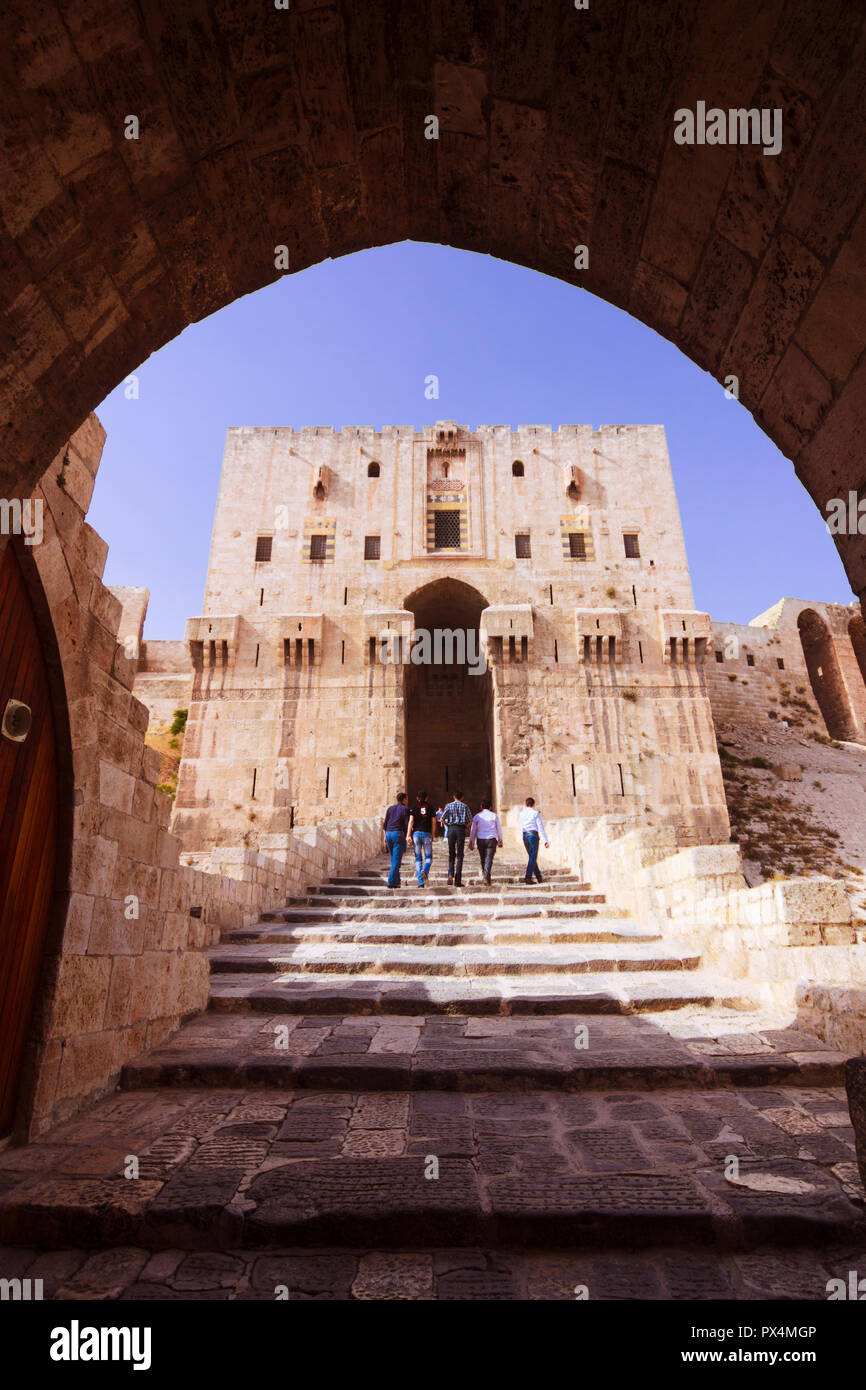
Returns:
point(423, 842)
point(530, 843)
point(396, 842)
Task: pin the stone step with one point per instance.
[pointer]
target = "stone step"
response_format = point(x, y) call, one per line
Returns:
point(427, 909)
point(469, 961)
point(438, 873)
point(431, 934)
point(221, 1170)
point(506, 1274)
point(441, 900)
point(472, 883)
point(430, 1053)
point(623, 992)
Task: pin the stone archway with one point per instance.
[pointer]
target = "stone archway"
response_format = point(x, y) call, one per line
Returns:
point(266, 138)
point(825, 675)
point(449, 698)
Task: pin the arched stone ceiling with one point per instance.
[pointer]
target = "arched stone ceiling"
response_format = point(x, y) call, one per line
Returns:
point(305, 128)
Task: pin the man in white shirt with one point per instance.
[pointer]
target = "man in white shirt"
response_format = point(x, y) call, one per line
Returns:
point(486, 831)
point(533, 829)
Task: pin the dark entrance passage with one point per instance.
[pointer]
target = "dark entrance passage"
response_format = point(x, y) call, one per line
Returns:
point(449, 704)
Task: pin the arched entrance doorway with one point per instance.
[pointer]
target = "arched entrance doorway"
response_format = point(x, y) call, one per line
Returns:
point(448, 696)
point(825, 675)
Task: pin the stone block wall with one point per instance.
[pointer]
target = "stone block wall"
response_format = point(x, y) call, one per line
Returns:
point(234, 885)
point(836, 1012)
point(123, 964)
point(773, 937)
point(163, 681)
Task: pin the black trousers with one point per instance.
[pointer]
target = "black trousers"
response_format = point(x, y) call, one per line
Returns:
point(456, 840)
point(486, 851)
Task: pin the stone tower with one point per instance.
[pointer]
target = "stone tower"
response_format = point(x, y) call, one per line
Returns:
point(563, 657)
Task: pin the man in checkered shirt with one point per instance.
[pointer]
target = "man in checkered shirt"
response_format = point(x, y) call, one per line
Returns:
point(455, 818)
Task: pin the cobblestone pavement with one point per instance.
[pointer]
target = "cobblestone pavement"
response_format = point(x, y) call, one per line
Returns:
point(702, 1048)
point(677, 1272)
point(220, 1169)
point(688, 1152)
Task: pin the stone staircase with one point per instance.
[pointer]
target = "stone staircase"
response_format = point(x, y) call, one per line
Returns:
point(494, 1093)
point(354, 946)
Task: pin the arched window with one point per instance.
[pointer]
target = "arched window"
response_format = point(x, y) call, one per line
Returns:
point(517, 469)
point(373, 470)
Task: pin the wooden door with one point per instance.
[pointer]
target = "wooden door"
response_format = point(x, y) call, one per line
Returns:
point(28, 826)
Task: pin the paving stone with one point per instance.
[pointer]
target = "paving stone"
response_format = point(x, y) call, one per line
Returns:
point(350, 1198)
point(690, 1276)
point(208, 1270)
point(55, 1267)
point(606, 1150)
point(470, 1284)
point(373, 1143)
point(305, 1274)
point(793, 1275)
point(637, 1209)
point(381, 1112)
point(104, 1275)
point(393, 1276)
point(613, 1277)
point(161, 1266)
point(304, 1125)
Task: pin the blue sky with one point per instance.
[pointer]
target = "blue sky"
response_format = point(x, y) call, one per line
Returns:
point(350, 342)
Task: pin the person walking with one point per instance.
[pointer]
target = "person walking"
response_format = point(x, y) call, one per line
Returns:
point(486, 832)
point(533, 830)
point(455, 819)
point(423, 821)
point(396, 831)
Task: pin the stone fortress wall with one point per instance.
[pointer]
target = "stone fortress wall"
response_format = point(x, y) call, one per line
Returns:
point(563, 547)
point(800, 661)
point(123, 963)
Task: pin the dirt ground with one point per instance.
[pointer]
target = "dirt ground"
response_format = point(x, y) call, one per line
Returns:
point(811, 819)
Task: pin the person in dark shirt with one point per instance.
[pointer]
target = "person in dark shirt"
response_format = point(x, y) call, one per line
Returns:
point(396, 830)
point(423, 821)
point(456, 818)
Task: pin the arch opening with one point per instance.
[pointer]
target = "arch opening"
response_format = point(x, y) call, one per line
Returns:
point(165, 230)
point(825, 675)
point(449, 697)
point(857, 635)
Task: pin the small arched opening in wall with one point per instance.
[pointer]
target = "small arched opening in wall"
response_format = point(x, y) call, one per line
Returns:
point(825, 675)
point(857, 634)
